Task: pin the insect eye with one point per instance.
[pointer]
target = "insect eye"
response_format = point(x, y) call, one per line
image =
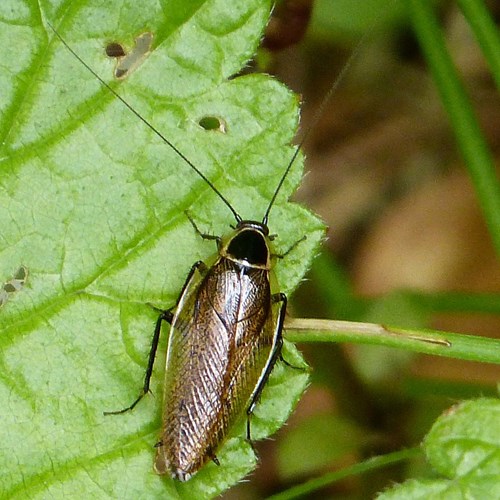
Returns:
point(212, 123)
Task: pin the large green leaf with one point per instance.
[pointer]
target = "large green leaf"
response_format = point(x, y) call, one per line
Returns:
point(93, 204)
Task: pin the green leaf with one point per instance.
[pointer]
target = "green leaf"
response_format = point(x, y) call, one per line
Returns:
point(463, 446)
point(93, 204)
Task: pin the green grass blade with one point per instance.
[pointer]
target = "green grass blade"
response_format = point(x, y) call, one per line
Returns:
point(466, 128)
point(359, 468)
point(447, 344)
point(486, 32)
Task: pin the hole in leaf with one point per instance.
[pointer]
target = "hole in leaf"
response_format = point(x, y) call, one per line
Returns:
point(15, 284)
point(114, 49)
point(130, 61)
point(213, 123)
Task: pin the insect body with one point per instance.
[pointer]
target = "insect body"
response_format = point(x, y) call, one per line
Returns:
point(224, 340)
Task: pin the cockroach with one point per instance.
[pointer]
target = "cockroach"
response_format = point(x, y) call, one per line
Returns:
point(225, 334)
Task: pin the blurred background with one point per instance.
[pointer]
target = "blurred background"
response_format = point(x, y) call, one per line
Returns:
point(407, 242)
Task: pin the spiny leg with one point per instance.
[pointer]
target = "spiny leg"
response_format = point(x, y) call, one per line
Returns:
point(164, 316)
point(205, 236)
point(283, 255)
point(278, 297)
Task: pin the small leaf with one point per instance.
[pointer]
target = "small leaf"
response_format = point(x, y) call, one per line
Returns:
point(463, 446)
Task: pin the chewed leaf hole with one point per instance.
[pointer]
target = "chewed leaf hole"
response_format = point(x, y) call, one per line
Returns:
point(114, 49)
point(128, 61)
point(13, 285)
point(212, 123)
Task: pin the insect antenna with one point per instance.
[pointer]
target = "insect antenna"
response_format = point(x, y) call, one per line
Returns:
point(151, 127)
point(317, 117)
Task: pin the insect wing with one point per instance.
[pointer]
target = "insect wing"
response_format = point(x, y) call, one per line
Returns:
point(221, 341)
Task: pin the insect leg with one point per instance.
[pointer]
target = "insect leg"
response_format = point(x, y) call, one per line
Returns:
point(275, 354)
point(164, 316)
point(282, 255)
point(197, 266)
point(205, 236)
